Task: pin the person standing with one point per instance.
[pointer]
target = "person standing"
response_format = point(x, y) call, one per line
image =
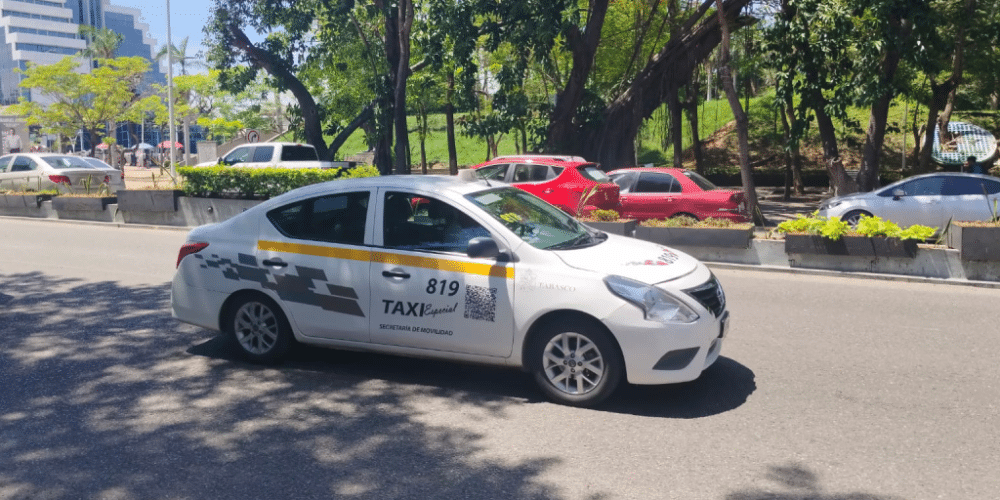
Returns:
point(972, 166)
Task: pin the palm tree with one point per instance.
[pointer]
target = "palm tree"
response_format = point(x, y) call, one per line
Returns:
point(180, 56)
point(102, 43)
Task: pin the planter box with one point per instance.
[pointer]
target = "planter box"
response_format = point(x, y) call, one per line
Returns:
point(975, 243)
point(148, 200)
point(19, 201)
point(82, 204)
point(894, 247)
point(852, 246)
point(622, 227)
point(696, 236)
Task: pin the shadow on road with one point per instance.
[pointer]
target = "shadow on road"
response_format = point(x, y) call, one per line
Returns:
point(102, 400)
point(803, 485)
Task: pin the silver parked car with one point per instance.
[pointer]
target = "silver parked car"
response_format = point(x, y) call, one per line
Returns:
point(929, 200)
point(39, 171)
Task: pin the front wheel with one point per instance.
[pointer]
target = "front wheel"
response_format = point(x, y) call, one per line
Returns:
point(854, 216)
point(576, 364)
point(259, 328)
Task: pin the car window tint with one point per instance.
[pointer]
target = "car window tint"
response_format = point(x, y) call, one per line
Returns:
point(492, 172)
point(926, 186)
point(298, 153)
point(624, 181)
point(595, 174)
point(336, 218)
point(238, 155)
point(650, 182)
point(23, 164)
point(61, 162)
point(703, 183)
point(412, 222)
point(531, 173)
point(263, 154)
point(4, 162)
point(959, 186)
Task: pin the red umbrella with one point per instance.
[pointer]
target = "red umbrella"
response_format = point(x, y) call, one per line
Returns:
point(105, 146)
point(166, 144)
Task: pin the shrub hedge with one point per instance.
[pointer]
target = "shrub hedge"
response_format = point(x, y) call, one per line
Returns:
point(257, 183)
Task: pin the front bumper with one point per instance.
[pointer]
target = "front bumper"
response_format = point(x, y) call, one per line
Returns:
point(657, 353)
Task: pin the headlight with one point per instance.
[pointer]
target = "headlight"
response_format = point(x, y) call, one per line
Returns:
point(831, 203)
point(656, 304)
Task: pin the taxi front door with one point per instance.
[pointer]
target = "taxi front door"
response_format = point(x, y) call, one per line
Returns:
point(426, 292)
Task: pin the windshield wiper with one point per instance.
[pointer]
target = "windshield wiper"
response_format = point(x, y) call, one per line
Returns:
point(584, 240)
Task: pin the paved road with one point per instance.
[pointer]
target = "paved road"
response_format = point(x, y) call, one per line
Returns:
point(830, 388)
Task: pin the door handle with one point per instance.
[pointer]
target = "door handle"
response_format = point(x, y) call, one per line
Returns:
point(400, 274)
point(275, 263)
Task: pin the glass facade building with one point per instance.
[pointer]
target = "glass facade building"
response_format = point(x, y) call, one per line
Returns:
point(45, 31)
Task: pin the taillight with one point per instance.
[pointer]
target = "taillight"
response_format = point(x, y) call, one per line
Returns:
point(60, 179)
point(188, 249)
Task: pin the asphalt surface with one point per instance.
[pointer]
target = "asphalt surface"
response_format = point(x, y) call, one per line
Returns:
point(828, 388)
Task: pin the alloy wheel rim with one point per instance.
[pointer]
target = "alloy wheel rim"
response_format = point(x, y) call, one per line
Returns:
point(256, 328)
point(573, 364)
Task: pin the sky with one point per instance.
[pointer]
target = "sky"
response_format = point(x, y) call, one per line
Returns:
point(187, 18)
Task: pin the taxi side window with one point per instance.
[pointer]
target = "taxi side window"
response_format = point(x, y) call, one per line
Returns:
point(336, 218)
point(4, 162)
point(412, 222)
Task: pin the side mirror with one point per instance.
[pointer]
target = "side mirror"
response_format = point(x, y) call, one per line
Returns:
point(483, 247)
point(897, 194)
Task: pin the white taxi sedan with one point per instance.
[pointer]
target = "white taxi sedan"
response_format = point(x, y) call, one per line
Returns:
point(439, 267)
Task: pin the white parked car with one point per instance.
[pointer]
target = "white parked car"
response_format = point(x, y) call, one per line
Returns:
point(929, 200)
point(438, 267)
point(40, 171)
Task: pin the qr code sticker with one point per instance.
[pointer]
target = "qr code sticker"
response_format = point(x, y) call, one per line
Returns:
point(480, 303)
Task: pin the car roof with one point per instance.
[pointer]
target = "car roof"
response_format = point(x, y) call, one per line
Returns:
point(554, 161)
point(422, 182)
point(648, 169)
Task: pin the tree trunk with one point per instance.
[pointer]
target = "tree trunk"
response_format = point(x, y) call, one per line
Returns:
point(449, 112)
point(839, 180)
point(742, 122)
point(879, 116)
point(957, 68)
point(612, 144)
point(402, 70)
point(423, 138)
point(583, 46)
point(691, 107)
point(273, 64)
point(676, 129)
point(939, 97)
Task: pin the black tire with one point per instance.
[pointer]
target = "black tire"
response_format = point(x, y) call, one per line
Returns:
point(854, 216)
point(258, 329)
point(575, 378)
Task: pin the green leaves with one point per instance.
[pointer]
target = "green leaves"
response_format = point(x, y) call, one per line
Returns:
point(239, 182)
point(872, 227)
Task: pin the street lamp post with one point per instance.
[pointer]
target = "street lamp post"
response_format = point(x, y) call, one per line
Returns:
point(170, 99)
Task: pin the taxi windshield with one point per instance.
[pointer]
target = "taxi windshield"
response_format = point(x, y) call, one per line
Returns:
point(536, 222)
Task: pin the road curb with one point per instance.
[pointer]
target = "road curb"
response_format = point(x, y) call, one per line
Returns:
point(709, 263)
point(846, 274)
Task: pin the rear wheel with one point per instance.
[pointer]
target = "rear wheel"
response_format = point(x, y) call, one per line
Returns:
point(854, 216)
point(684, 214)
point(576, 363)
point(259, 328)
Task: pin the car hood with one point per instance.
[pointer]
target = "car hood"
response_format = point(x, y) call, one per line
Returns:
point(636, 259)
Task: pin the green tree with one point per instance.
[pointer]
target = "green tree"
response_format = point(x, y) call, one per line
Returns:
point(102, 43)
point(84, 101)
